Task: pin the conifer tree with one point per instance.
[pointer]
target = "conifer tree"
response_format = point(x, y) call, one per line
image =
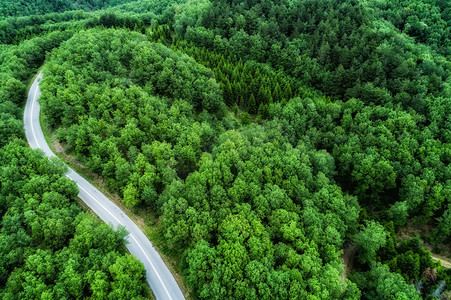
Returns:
point(287, 92)
point(242, 103)
point(261, 95)
point(277, 94)
point(252, 105)
point(228, 93)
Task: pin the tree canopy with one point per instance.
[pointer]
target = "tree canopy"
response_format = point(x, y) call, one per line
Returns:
point(267, 136)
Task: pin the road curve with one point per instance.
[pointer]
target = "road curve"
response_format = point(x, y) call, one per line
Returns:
point(159, 277)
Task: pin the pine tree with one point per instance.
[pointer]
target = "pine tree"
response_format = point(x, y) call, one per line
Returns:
point(263, 111)
point(268, 96)
point(261, 97)
point(242, 103)
point(236, 90)
point(287, 93)
point(252, 105)
point(338, 87)
point(228, 93)
point(277, 94)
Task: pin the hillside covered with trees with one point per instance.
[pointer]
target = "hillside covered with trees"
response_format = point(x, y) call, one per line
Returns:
point(267, 136)
point(17, 8)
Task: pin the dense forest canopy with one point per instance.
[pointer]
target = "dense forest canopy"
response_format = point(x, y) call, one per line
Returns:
point(268, 136)
point(16, 8)
point(48, 247)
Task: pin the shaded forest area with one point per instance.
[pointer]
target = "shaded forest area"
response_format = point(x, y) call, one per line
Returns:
point(267, 135)
point(16, 8)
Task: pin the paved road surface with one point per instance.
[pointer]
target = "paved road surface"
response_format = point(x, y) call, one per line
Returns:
point(159, 277)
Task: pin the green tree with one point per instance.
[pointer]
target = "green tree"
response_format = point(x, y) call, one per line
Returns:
point(252, 105)
point(370, 239)
point(379, 283)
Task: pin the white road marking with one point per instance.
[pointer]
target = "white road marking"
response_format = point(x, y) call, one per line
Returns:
point(153, 267)
point(31, 117)
point(111, 214)
point(131, 235)
point(93, 198)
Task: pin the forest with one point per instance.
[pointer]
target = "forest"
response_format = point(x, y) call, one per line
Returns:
point(271, 139)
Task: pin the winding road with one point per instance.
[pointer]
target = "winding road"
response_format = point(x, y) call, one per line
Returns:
point(159, 277)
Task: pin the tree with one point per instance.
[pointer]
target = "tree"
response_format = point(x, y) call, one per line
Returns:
point(70, 281)
point(10, 128)
point(373, 175)
point(131, 195)
point(99, 284)
point(287, 92)
point(339, 83)
point(128, 274)
point(13, 90)
point(228, 93)
point(201, 262)
point(370, 239)
point(379, 283)
point(398, 212)
point(252, 105)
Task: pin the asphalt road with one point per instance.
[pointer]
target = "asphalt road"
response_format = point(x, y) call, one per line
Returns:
point(159, 277)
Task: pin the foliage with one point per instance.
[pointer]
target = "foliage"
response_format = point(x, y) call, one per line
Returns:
point(251, 85)
point(127, 109)
point(136, 104)
point(266, 212)
point(370, 239)
point(48, 247)
point(339, 47)
point(380, 283)
point(12, 8)
point(335, 105)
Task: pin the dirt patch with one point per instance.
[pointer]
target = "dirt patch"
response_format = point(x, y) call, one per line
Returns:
point(57, 147)
point(348, 260)
point(414, 229)
point(445, 262)
point(440, 252)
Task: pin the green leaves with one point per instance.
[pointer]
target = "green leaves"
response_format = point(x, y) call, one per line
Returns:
point(10, 128)
point(13, 90)
point(370, 239)
point(380, 282)
point(131, 195)
point(245, 209)
point(109, 119)
point(127, 272)
point(256, 211)
point(48, 248)
point(373, 175)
